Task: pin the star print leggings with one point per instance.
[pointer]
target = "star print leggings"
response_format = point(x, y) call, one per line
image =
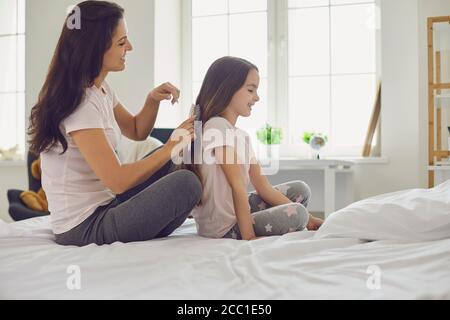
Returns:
point(279, 220)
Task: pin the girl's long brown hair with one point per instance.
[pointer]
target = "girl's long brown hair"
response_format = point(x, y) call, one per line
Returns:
point(77, 61)
point(223, 79)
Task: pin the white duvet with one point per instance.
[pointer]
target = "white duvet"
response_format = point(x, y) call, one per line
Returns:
point(410, 259)
point(411, 215)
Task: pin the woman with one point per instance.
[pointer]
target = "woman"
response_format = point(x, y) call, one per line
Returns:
point(75, 127)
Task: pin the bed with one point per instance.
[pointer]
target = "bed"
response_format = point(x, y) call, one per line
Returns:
point(394, 246)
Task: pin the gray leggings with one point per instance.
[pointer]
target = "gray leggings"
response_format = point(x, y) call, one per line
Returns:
point(279, 220)
point(151, 210)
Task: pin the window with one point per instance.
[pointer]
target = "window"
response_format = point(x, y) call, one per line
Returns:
point(332, 70)
point(12, 71)
point(236, 28)
point(317, 61)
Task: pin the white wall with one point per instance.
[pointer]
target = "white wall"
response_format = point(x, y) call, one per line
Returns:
point(400, 106)
point(11, 177)
point(404, 99)
point(135, 83)
point(168, 58)
point(44, 22)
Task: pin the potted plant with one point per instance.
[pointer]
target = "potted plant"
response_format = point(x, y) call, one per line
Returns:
point(270, 136)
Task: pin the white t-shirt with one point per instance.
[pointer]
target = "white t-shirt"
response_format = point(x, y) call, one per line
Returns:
point(216, 216)
point(73, 190)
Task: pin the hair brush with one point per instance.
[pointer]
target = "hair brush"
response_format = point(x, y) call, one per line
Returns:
point(195, 112)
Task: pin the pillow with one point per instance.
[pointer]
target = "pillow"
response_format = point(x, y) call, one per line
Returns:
point(410, 215)
point(137, 150)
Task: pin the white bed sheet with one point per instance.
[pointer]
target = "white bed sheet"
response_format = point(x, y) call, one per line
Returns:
point(185, 266)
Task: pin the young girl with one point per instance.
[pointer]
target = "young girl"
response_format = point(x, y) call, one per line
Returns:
point(226, 210)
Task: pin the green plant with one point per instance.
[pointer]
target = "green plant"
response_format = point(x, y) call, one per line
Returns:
point(270, 135)
point(308, 135)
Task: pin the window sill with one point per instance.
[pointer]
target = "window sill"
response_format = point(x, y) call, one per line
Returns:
point(362, 160)
point(439, 168)
point(338, 164)
point(331, 160)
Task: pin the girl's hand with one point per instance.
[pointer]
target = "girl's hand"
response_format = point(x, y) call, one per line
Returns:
point(166, 91)
point(182, 136)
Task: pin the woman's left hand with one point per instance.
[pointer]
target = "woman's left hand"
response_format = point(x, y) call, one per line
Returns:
point(166, 91)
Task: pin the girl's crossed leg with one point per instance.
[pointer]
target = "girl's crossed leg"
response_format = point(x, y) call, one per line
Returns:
point(279, 220)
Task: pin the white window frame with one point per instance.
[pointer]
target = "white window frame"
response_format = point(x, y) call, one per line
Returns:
point(16, 35)
point(278, 69)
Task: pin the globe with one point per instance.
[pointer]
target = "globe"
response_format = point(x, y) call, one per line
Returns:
point(317, 142)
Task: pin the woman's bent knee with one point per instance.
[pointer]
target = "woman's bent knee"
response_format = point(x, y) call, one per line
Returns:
point(303, 190)
point(189, 185)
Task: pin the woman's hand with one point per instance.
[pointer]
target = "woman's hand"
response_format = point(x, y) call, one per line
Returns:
point(166, 91)
point(181, 137)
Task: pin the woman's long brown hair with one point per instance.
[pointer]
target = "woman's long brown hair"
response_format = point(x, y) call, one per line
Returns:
point(77, 61)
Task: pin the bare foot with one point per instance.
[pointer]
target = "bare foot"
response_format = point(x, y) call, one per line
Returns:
point(314, 223)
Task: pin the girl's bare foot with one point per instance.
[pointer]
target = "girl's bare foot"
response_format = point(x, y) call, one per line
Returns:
point(314, 223)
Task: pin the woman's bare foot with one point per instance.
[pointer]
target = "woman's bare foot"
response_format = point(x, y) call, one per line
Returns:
point(314, 223)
